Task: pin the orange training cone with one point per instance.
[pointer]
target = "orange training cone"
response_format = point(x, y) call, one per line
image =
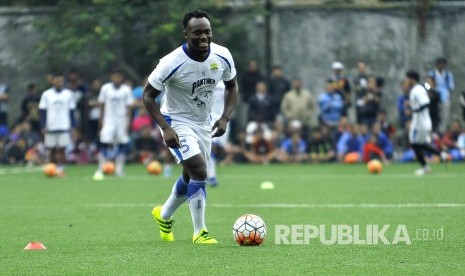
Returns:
point(35, 246)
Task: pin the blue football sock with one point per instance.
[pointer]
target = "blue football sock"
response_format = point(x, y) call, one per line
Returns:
point(196, 196)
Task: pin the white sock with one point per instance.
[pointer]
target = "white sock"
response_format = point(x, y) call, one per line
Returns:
point(177, 197)
point(120, 159)
point(196, 196)
point(211, 168)
point(101, 160)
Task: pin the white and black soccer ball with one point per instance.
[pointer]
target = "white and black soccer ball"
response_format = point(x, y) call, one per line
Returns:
point(249, 230)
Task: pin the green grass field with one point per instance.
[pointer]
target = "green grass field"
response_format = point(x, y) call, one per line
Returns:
point(105, 228)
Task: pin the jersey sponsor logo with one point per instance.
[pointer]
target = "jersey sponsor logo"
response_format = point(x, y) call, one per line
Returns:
point(202, 82)
point(187, 73)
point(201, 89)
point(213, 67)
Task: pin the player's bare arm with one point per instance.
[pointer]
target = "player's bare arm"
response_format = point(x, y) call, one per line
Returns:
point(100, 119)
point(232, 93)
point(130, 112)
point(150, 93)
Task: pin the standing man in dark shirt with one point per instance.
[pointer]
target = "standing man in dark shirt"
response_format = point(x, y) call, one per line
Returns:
point(435, 103)
point(262, 106)
point(341, 85)
point(361, 87)
point(30, 107)
point(249, 81)
point(278, 85)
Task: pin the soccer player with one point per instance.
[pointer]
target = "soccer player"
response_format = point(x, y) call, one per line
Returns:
point(56, 108)
point(189, 75)
point(420, 126)
point(116, 99)
point(218, 143)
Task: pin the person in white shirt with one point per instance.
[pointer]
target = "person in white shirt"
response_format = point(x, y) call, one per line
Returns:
point(116, 100)
point(189, 76)
point(56, 109)
point(420, 126)
point(218, 143)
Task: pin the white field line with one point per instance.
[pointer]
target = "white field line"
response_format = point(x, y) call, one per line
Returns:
point(297, 205)
point(308, 176)
point(311, 175)
point(20, 170)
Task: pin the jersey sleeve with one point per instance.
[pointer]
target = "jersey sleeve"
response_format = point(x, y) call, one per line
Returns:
point(72, 101)
point(159, 75)
point(101, 95)
point(230, 71)
point(129, 98)
point(43, 101)
point(422, 97)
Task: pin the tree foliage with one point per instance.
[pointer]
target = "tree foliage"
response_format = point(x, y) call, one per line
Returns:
point(98, 34)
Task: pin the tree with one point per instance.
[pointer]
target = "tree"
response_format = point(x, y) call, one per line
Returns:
point(98, 34)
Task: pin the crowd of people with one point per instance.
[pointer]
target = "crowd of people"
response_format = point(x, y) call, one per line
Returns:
point(25, 141)
point(347, 122)
point(277, 120)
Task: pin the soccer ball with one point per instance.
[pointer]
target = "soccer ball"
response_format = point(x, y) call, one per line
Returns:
point(108, 168)
point(352, 158)
point(50, 170)
point(154, 167)
point(375, 166)
point(249, 230)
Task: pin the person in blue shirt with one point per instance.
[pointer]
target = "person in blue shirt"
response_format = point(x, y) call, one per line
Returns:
point(444, 80)
point(293, 149)
point(382, 141)
point(331, 106)
point(405, 114)
point(350, 142)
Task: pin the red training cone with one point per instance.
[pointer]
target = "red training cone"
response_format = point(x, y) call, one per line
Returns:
point(35, 246)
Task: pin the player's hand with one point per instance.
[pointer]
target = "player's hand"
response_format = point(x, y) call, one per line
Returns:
point(171, 138)
point(219, 127)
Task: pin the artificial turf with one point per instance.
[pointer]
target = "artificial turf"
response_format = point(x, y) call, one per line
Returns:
point(105, 227)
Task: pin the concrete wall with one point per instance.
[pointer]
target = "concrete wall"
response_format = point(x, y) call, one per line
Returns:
point(18, 64)
point(307, 40)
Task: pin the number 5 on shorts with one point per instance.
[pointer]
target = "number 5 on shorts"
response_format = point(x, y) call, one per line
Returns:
point(184, 145)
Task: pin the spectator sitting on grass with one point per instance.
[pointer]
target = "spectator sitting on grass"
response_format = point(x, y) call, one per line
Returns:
point(382, 141)
point(145, 146)
point(450, 140)
point(261, 150)
point(235, 151)
point(293, 149)
point(320, 147)
point(350, 142)
point(372, 151)
point(386, 127)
